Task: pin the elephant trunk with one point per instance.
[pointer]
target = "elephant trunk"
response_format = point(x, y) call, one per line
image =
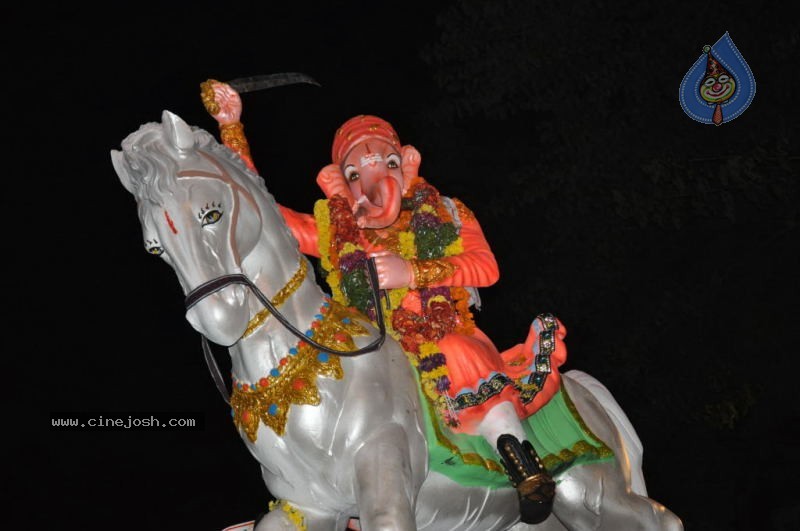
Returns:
point(380, 208)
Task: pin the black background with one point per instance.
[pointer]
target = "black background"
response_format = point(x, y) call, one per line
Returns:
point(667, 247)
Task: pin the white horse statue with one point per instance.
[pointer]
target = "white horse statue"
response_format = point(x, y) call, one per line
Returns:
point(343, 436)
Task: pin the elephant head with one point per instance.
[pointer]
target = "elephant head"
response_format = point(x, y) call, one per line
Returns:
point(371, 170)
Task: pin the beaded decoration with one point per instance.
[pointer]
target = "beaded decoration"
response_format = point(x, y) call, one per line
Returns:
point(294, 380)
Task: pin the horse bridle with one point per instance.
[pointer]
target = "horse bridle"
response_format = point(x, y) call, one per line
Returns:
point(214, 285)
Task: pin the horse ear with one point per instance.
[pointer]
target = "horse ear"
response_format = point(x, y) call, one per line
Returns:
point(177, 131)
point(121, 167)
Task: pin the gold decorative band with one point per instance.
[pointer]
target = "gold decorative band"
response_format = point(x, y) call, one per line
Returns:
point(428, 272)
point(284, 293)
point(207, 95)
point(233, 136)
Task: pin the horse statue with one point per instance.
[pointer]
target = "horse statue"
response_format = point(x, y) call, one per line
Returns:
point(341, 437)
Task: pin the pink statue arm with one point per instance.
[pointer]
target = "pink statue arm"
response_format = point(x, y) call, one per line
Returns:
point(224, 104)
point(303, 228)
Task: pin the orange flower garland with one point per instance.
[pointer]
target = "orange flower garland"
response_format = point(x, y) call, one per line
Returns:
point(425, 230)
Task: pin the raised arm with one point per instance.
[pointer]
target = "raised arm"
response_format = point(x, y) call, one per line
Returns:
point(224, 104)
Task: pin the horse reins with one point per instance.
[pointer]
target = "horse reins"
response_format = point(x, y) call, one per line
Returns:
point(212, 286)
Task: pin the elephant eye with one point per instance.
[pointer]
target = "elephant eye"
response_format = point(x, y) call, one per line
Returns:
point(351, 174)
point(392, 161)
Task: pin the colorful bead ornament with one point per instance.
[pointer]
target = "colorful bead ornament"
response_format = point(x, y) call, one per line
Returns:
point(294, 379)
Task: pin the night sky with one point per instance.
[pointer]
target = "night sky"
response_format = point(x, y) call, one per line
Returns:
point(667, 247)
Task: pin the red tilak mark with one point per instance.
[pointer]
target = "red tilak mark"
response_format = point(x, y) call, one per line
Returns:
point(171, 224)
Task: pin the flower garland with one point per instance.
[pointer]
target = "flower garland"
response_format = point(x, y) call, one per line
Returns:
point(423, 231)
point(294, 514)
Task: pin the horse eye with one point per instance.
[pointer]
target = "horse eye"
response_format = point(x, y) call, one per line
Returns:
point(211, 217)
point(155, 250)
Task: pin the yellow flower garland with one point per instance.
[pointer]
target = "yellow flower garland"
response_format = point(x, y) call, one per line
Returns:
point(404, 246)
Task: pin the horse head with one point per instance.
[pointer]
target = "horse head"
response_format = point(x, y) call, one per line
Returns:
point(201, 210)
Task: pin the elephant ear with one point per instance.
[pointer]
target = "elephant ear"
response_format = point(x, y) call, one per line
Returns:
point(410, 165)
point(332, 182)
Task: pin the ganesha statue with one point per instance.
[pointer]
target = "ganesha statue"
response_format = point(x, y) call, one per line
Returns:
point(376, 403)
point(430, 254)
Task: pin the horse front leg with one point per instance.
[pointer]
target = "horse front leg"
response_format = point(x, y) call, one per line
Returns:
point(384, 489)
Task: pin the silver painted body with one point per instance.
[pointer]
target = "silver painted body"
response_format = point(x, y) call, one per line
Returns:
point(362, 452)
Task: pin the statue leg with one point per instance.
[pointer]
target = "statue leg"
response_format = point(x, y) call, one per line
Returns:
point(384, 489)
point(502, 428)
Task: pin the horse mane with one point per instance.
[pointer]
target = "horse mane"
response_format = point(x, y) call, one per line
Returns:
point(152, 164)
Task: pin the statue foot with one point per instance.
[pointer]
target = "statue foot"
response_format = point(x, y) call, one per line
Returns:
point(535, 486)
